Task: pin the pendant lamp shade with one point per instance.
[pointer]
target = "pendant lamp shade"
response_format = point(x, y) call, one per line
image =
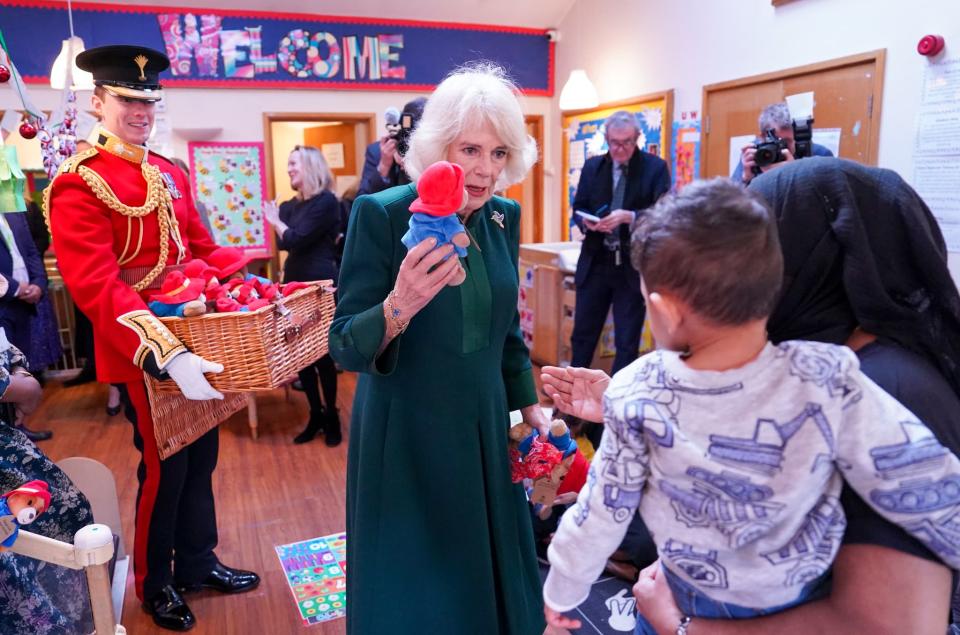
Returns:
point(578, 93)
point(82, 80)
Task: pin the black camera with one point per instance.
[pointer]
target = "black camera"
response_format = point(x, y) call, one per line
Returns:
point(803, 137)
point(770, 150)
point(402, 135)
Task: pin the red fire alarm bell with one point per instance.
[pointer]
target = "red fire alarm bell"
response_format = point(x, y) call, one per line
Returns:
point(930, 45)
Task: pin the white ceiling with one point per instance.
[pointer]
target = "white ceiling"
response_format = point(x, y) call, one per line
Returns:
point(524, 13)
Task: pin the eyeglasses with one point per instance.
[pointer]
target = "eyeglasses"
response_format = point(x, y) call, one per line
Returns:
point(629, 143)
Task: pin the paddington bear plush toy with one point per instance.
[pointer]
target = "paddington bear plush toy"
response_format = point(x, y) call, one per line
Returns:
point(179, 296)
point(556, 466)
point(441, 196)
point(21, 507)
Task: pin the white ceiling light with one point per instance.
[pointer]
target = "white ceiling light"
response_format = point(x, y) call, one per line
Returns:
point(65, 66)
point(579, 92)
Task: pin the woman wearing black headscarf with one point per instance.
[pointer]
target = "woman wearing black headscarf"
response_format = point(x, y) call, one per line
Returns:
point(864, 264)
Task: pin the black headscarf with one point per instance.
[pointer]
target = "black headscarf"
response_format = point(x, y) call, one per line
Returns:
point(861, 248)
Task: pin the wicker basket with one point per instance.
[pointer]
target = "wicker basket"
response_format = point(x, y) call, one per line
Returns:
point(178, 421)
point(262, 349)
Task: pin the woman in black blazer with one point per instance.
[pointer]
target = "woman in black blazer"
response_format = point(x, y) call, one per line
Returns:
point(307, 227)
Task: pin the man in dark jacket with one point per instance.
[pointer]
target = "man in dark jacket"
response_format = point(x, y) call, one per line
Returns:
point(616, 187)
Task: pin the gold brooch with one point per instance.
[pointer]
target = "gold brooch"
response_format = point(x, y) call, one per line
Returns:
point(497, 217)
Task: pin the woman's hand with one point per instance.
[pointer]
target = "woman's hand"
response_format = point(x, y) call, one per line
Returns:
point(559, 620)
point(416, 284)
point(271, 211)
point(535, 418)
point(29, 293)
point(576, 391)
point(655, 600)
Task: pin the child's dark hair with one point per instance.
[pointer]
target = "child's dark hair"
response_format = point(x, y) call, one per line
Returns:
point(715, 246)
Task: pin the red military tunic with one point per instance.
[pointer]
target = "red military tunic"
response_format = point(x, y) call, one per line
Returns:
point(94, 244)
point(105, 208)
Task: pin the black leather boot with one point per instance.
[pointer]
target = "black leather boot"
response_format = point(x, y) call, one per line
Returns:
point(314, 427)
point(331, 428)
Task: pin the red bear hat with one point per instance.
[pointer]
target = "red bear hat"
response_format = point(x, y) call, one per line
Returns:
point(34, 488)
point(177, 288)
point(228, 261)
point(440, 188)
point(199, 269)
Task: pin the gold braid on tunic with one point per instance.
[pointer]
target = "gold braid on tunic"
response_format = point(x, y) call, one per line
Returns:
point(158, 198)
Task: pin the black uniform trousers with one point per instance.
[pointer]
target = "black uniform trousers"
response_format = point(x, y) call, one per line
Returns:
point(606, 283)
point(176, 523)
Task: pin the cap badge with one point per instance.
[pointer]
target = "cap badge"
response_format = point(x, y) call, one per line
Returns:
point(141, 61)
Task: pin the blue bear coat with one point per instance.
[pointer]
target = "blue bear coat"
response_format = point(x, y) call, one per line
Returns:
point(443, 228)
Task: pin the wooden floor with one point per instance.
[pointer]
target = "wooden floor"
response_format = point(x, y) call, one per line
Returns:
point(268, 492)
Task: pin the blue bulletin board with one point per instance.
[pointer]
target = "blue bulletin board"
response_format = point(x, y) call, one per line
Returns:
point(583, 137)
point(240, 48)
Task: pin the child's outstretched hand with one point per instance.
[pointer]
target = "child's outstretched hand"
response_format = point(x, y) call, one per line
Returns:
point(555, 618)
point(576, 391)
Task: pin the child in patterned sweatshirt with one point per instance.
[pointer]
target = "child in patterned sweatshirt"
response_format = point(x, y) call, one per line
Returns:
point(734, 449)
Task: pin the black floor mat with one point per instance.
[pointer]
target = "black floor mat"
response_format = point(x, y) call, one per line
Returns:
point(609, 609)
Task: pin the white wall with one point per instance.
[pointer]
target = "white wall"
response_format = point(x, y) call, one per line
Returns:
point(632, 48)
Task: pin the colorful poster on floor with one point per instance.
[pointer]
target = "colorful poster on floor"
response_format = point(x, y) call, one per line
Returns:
point(316, 572)
point(228, 182)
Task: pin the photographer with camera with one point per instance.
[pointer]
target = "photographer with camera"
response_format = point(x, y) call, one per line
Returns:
point(383, 163)
point(780, 138)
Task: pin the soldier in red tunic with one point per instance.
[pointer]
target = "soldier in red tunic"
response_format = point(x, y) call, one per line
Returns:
point(121, 217)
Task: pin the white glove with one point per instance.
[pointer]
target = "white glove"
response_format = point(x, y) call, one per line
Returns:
point(187, 370)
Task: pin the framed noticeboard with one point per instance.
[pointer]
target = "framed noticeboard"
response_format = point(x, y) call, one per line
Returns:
point(583, 137)
point(229, 180)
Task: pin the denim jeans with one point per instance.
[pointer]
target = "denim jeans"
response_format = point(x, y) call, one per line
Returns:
point(694, 603)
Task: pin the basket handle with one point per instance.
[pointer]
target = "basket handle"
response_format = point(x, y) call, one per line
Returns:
point(295, 329)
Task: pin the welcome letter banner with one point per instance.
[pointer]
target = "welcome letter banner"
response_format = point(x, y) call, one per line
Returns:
point(234, 48)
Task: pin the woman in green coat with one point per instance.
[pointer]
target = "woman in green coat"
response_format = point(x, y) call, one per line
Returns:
point(439, 538)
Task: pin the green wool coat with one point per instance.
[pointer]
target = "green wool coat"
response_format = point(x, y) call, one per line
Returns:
point(439, 538)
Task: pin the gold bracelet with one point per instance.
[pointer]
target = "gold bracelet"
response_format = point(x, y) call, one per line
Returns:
point(394, 313)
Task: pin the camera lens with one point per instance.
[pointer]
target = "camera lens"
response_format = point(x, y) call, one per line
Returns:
point(765, 155)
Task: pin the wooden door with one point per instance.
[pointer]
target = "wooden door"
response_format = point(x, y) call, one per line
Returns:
point(847, 95)
point(337, 141)
point(529, 192)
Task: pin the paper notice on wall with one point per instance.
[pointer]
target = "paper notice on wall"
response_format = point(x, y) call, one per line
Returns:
point(829, 138)
point(736, 147)
point(161, 138)
point(333, 153)
point(937, 181)
point(941, 83)
point(800, 105)
point(938, 130)
point(578, 154)
point(85, 125)
point(936, 152)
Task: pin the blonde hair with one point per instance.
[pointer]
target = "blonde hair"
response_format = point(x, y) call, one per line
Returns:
point(315, 173)
point(469, 97)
